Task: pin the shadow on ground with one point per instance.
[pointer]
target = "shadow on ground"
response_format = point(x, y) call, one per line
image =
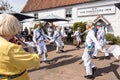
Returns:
point(69, 50)
point(112, 68)
point(103, 57)
point(58, 64)
point(50, 47)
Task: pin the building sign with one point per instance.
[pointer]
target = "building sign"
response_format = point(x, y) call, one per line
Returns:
point(96, 10)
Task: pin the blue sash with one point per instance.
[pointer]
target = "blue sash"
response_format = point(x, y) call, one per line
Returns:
point(90, 48)
point(58, 35)
point(40, 31)
point(78, 34)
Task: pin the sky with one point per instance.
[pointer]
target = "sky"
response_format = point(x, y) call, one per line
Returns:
point(17, 5)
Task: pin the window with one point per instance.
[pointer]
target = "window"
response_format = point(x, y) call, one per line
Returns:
point(36, 15)
point(69, 13)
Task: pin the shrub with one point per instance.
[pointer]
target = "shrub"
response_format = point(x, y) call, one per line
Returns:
point(111, 37)
point(118, 40)
point(79, 24)
point(34, 27)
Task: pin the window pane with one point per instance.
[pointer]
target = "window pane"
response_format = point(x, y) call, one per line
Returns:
point(36, 15)
point(68, 12)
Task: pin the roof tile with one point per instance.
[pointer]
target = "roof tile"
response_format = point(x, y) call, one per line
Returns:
point(35, 5)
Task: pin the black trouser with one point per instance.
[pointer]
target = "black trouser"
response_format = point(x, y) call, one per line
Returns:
point(69, 38)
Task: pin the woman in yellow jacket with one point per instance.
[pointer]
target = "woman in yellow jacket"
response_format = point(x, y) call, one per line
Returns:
point(14, 61)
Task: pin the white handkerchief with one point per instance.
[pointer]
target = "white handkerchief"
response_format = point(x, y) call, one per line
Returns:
point(115, 50)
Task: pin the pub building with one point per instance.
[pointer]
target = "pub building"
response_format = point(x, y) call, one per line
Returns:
point(104, 11)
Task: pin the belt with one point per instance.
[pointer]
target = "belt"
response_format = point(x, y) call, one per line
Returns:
point(12, 76)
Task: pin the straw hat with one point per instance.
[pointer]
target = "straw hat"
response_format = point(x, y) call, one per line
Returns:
point(98, 24)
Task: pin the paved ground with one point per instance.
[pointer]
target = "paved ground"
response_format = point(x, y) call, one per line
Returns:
point(69, 66)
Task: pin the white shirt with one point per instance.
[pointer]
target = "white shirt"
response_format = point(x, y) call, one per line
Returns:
point(36, 34)
point(90, 38)
point(101, 35)
point(77, 33)
point(57, 36)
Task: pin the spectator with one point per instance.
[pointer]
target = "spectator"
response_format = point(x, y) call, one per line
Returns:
point(69, 33)
point(50, 31)
point(14, 61)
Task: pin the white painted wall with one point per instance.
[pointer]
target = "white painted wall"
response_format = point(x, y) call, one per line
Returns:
point(114, 19)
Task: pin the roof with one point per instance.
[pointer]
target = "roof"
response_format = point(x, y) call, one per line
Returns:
point(102, 18)
point(37, 5)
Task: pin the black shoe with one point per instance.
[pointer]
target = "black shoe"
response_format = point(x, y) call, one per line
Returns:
point(94, 70)
point(78, 47)
point(62, 50)
point(94, 57)
point(46, 61)
point(89, 76)
point(107, 57)
point(41, 61)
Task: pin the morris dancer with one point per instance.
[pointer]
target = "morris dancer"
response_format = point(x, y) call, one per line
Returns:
point(88, 51)
point(57, 37)
point(77, 34)
point(39, 39)
point(101, 37)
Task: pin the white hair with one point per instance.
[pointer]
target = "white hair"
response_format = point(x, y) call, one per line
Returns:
point(9, 25)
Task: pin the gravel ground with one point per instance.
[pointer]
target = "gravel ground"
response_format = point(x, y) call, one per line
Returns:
point(69, 66)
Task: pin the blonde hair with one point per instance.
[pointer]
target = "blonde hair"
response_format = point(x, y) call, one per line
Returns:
point(90, 24)
point(9, 25)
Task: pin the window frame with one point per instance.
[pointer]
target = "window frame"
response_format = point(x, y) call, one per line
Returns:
point(68, 12)
point(35, 15)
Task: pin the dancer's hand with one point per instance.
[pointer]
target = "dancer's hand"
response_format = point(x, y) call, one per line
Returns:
point(36, 43)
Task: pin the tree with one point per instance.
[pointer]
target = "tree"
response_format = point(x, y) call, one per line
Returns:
point(4, 5)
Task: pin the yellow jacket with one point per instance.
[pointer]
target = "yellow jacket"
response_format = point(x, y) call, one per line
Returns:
point(14, 60)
